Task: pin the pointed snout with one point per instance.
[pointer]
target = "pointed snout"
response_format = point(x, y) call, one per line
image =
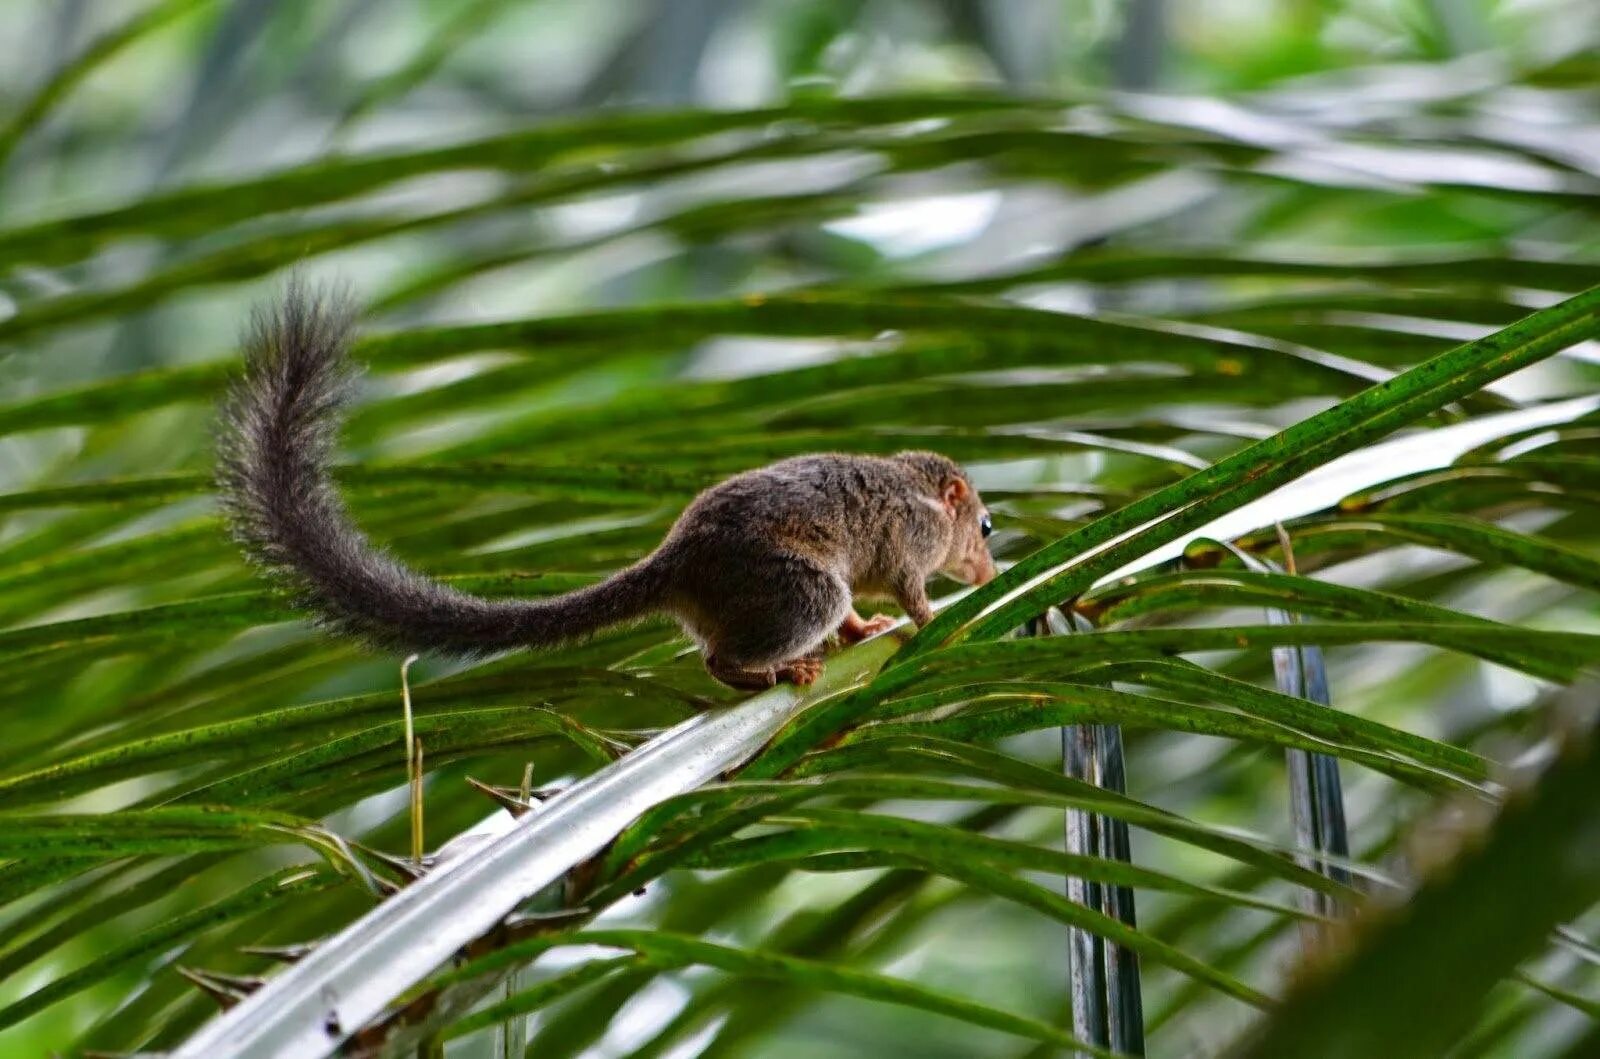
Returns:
point(974, 571)
point(985, 570)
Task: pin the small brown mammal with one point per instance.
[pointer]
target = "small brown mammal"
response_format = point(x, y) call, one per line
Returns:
point(759, 569)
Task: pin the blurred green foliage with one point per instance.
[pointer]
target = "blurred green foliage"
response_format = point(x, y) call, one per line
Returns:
point(613, 251)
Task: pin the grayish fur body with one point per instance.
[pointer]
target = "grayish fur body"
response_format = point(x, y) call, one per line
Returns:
point(759, 569)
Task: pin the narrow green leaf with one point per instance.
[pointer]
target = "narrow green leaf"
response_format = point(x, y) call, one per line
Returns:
point(72, 73)
point(1543, 843)
point(206, 207)
point(164, 831)
point(670, 951)
point(815, 831)
point(283, 886)
point(1255, 471)
point(546, 992)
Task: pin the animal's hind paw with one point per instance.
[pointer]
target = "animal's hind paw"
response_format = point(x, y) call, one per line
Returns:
point(801, 671)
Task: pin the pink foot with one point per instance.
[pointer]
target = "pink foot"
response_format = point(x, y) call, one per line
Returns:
point(854, 629)
point(801, 671)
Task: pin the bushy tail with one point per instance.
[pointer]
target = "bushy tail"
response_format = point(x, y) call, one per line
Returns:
point(278, 429)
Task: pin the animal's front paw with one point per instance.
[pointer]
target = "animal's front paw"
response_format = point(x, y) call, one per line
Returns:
point(876, 624)
point(854, 629)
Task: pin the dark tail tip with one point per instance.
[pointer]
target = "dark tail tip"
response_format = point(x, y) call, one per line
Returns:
point(279, 422)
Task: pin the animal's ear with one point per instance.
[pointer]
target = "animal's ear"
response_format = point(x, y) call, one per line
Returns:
point(955, 491)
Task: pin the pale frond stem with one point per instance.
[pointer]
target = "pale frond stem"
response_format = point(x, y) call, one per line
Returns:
point(511, 1036)
point(417, 842)
point(413, 762)
point(1107, 1003)
point(401, 941)
point(1316, 793)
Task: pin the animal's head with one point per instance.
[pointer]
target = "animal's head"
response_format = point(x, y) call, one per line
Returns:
point(968, 559)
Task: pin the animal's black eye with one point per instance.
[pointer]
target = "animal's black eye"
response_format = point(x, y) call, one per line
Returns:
point(985, 525)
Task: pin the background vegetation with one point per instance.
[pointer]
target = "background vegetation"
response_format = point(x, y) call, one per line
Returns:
point(612, 252)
